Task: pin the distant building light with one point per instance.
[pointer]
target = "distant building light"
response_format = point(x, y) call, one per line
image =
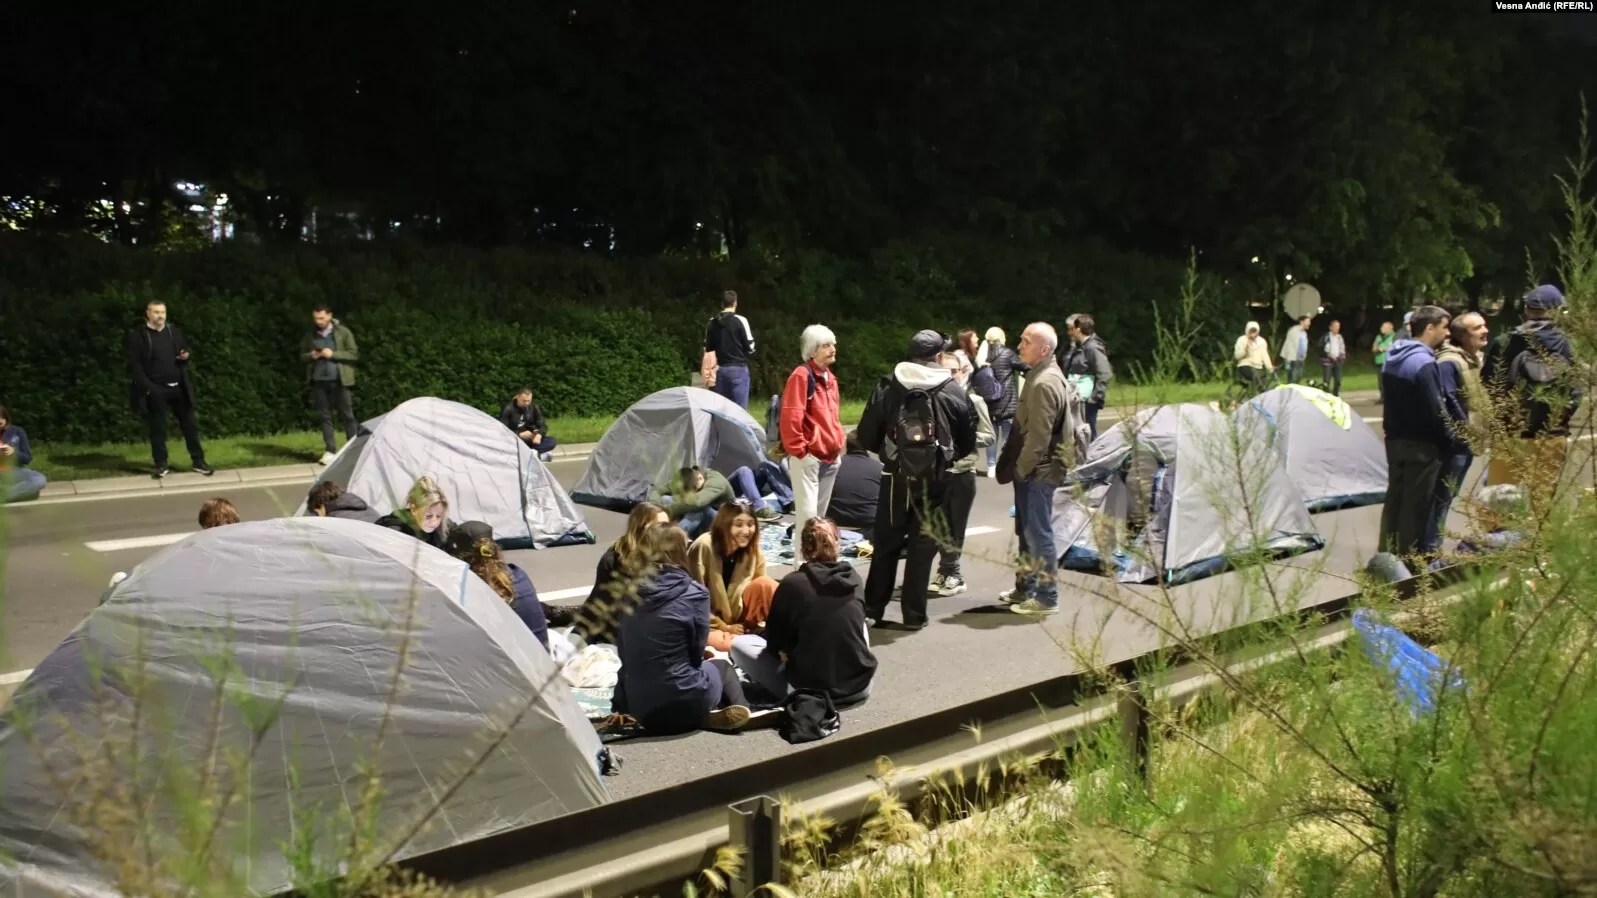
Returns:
point(1254, 260)
point(196, 208)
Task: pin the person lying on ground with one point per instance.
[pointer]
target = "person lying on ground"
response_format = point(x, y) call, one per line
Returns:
point(816, 638)
point(665, 682)
point(859, 483)
point(217, 513)
point(17, 481)
point(728, 561)
point(425, 515)
point(473, 543)
point(526, 420)
point(329, 499)
point(695, 494)
point(615, 582)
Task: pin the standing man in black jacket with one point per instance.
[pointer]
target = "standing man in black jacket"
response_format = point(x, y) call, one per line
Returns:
point(728, 347)
point(919, 422)
point(1419, 431)
point(158, 359)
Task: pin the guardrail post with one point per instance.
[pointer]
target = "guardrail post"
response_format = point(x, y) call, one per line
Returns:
point(756, 828)
point(1134, 726)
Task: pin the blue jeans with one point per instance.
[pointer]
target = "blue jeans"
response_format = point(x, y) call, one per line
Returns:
point(1001, 431)
point(1034, 524)
point(745, 486)
point(20, 484)
point(1294, 371)
point(1455, 467)
point(733, 383)
point(1332, 375)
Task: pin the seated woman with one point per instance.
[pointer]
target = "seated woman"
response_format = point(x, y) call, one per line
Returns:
point(615, 582)
point(729, 563)
point(329, 499)
point(666, 684)
point(816, 638)
point(854, 493)
point(424, 515)
point(473, 543)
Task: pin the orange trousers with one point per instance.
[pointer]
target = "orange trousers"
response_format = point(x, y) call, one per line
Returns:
point(756, 608)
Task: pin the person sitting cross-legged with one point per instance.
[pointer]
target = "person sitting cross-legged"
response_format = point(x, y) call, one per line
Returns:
point(17, 480)
point(666, 684)
point(695, 494)
point(525, 420)
point(730, 564)
point(816, 637)
point(616, 578)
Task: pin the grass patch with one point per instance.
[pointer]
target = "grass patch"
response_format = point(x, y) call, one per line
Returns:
point(74, 461)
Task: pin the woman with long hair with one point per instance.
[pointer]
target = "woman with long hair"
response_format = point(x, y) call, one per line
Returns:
point(729, 563)
point(425, 515)
point(816, 638)
point(615, 581)
point(666, 683)
point(473, 543)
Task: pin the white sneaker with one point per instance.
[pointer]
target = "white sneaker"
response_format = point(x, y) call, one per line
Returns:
point(546, 457)
point(950, 586)
point(1034, 608)
point(327, 458)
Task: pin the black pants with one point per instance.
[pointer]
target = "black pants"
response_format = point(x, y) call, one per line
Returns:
point(1412, 471)
point(330, 394)
point(958, 499)
point(1093, 408)
point(731, 686)
point(162, 400)
point(1333, 376)
point(900, 523)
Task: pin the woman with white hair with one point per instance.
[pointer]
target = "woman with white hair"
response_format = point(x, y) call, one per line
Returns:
point(810, 429)
point(1005, 364)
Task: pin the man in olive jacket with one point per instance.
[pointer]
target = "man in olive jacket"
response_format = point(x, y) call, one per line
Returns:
point(330, 355)
point(1050, 420)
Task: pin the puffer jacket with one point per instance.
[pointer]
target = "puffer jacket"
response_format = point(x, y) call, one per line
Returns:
point(1004, 363)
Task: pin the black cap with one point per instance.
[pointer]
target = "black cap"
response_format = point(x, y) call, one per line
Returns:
point(463, 537)
point(926, 344)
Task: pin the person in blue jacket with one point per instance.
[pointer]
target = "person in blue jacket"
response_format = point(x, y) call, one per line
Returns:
point(666, 684)
point(1419, 431)
point(473, 543)
point(17, 480)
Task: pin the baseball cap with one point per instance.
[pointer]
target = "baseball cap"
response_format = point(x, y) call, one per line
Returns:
point(926, 344)
point(1546, 298)
point(463, 536)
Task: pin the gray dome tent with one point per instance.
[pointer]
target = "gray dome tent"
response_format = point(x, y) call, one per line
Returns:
point(487, 472)
point(216, 629)
point(1197, 487)
point(661, 433)
point(1332, 456)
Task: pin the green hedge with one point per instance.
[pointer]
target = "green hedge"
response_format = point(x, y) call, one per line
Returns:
point(592, 334)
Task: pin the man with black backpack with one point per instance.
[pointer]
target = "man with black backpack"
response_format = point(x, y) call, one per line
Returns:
point(919, 422)
point(1051, 436)
point(1523, 373)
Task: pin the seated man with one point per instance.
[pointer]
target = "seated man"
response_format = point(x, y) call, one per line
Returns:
point(17, 480)
point(328, 499)
point(525, 420)
point(859, 482)
point(694, 496)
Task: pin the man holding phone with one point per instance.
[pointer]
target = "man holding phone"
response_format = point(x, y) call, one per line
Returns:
point(158, 358)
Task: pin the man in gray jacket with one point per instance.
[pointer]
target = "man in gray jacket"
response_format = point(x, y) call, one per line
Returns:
point(1049, 423)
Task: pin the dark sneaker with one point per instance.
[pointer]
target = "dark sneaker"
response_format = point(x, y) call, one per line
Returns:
point(205, 469)
point(161, 471)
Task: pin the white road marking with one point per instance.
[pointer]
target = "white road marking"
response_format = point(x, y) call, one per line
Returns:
point(572, 593)
point(137, 542)
point(982, 531)
point(15, 677)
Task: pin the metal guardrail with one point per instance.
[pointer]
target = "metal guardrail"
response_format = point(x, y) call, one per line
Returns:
point(650, 844)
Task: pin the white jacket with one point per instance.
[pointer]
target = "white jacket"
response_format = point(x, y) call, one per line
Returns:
point(1296, 339)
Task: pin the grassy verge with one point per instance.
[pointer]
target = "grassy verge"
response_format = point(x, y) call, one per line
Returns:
point(69, 461)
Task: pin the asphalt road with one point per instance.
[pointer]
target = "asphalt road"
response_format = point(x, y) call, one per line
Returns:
point(60, 557)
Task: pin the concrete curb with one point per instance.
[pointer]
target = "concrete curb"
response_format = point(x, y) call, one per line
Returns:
point(187, 482)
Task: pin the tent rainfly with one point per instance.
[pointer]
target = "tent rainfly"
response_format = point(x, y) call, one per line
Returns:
point(1332, 456)
point(1177, 495)
point(487, 472)
point(659, 434)
point(261, 658)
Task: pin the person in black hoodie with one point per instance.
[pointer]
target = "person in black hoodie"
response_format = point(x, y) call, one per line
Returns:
point(859, 483)
point(158, 362)
point(1525, 374)
point(816, 637)
point(425, 515)
point(1419, 431)
point(329, 499)
point(526, 420)
point(1087, 357)
point(666, 684)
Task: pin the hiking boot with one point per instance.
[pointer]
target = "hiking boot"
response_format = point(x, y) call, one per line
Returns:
point(161, 471)
point(1034, 608)
point(767, 514)
point(203, 468)
point(326, 459)
point(732, 717)
point(951, 585)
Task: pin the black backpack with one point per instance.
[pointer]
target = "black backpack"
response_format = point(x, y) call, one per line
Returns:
point(923, 449)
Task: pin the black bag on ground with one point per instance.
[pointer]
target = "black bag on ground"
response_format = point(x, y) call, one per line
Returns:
point(810, 717)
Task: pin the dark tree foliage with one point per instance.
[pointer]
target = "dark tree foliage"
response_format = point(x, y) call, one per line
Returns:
point(1380, 148)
